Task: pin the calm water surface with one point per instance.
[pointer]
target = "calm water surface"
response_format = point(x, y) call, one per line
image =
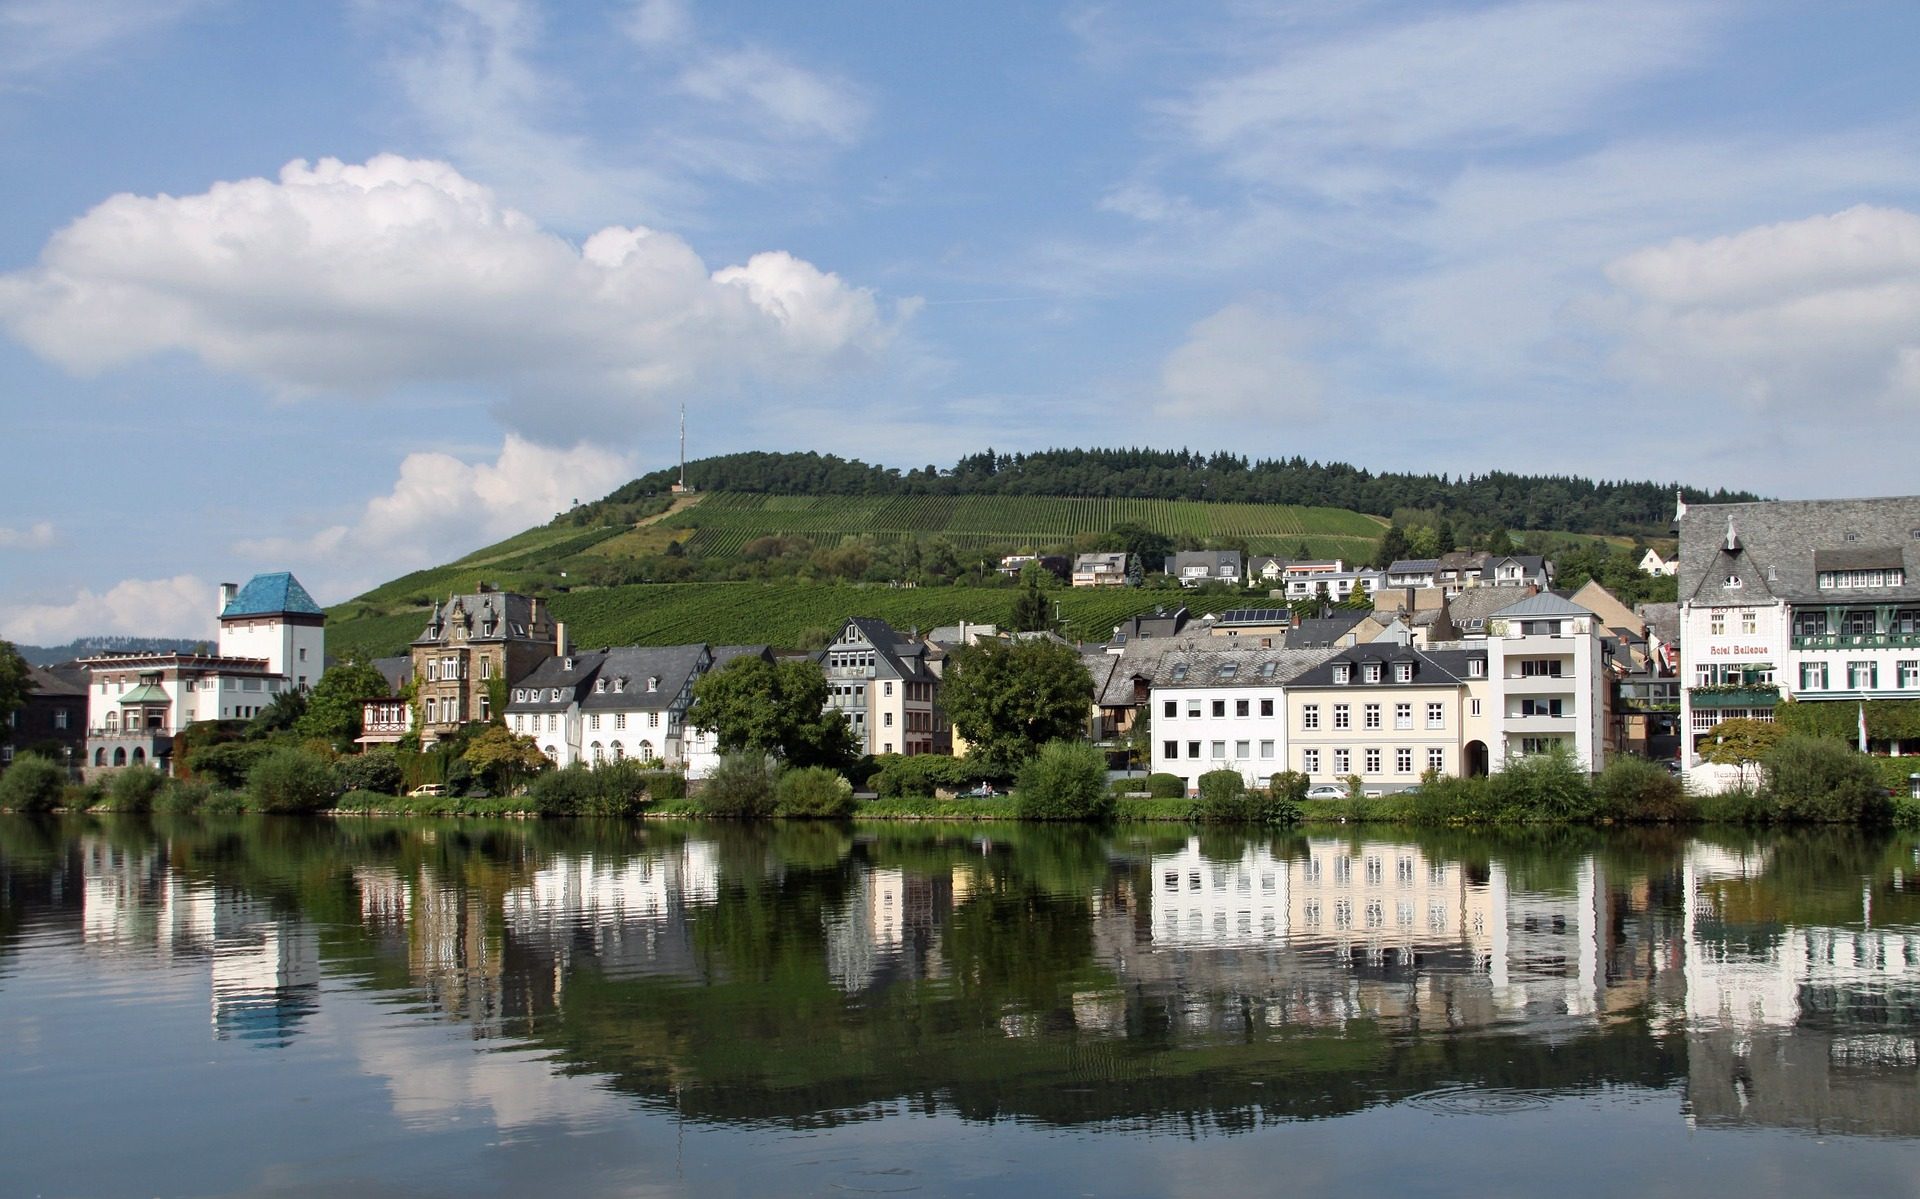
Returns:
point(302, 1008)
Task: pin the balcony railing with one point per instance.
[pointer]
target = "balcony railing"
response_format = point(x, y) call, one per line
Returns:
point(1856, 640)
point(1735, 696)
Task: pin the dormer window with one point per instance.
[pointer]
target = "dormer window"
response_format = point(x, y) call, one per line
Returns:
point(620, 685)
point(653, 682)
point(519, 695)
point(1342, 673)
point(1403, 672)
point(1476, 668)
point(1229, 670)
point(566, 663)
point(600, 686)
point(1732, 583)
point(1373, 672)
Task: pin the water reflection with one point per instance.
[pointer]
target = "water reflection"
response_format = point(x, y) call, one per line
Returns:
point(1139, 979)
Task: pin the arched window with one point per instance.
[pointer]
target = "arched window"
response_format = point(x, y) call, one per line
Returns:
point(598, 753)
point(100, 756)
point(646, 751)
point(139, 756)
point(113, 721)
point(119, 755)
point(619, 751)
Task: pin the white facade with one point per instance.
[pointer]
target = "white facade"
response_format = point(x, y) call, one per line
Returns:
point(1546, 681)
point(1199, 729)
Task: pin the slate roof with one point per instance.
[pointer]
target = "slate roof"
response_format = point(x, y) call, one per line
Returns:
point(723, 654)
point(492, 616)
point(554, 674)
point(1218, 563)
point(271, 595)
point(44, 681)
point(1320, 632)
point(1663, 620)
point(1407, 566)
point(1445, 666)
point(633, 665)
point(397, 671)
point(1213, 662)
point(1781, 546)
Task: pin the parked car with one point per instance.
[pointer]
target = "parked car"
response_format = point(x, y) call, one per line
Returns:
point(1326, 791)
point(983, 791)
point(428, 789)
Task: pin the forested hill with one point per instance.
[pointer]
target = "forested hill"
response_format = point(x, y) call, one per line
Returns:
point(1564, 503)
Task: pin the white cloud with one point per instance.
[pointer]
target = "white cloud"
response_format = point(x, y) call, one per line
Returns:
point(442, 507)
point(33, 537)
point(39, 37)
point(369, 277)
point(1804, 318)
point(183, 606)
point(1241, 363)
point(777, 91)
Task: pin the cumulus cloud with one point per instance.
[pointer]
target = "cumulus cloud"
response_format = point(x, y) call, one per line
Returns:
point(366, 277)
point(1799, 317)
point(183, 606)
point(442, 507)
point(33, 537)
point(1241, 363)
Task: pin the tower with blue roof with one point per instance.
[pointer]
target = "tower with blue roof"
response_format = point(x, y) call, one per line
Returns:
point(274, 618)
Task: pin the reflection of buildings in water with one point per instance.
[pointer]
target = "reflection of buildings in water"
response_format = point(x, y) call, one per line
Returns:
point(452, 954)
point(385, 897)
point(1380, 930)
point(266, 971)
point(889, 927)
point(1797, 1026)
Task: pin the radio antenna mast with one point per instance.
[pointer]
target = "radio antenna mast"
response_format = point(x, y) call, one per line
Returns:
point(683, 447)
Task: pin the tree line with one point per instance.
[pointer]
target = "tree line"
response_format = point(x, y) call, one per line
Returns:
point(1563, 503)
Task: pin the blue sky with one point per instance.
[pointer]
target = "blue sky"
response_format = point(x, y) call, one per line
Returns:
point(353, 288)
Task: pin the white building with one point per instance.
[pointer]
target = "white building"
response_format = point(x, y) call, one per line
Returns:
point(1546, 680)
point(1814, 600)
point(609, 705)
point(272, 640)
point(1217, 704)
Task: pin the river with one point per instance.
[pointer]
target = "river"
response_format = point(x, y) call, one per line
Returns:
point(288, 1007)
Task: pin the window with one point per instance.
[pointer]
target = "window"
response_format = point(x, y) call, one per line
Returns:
point(1228, 670)
point(1856, 622)
point(1266, 707)
point(1266, 750)
point(1372, 712)
point(885, 688)
point(60, 718)
point(553, 721)
point(1403, 761)
point(1733, 582)
point(433, 710)
point(1842, 579)
point(1219, 707)
point(1170, 749)
point(1717, 624)
point(1219, 751)
point(1476, 668)
point(1343, 761)
point(1749, 621)
point(1373, 672)
point(1242, 707)
point(1436, 758)
point(303, 653)
point(886, 720)
point(1862, 676)
point(1310, 761)
point(486, 707)
point(433, 670)
point(1342, 716)
point(619, 720)
point(1403, 716)
point(1539, 707)
point(1809, 624)
point(1193, 749)
point(1170, 708)
point(1310, 717)
point(593, 722)
point(1905, 620)
point(1813, 676)
point(1540, 668)
point(1436, 716)
point(1909, 674)
point(1341, 672)
point(1242, 750)
point(1536, 745)
point(1403, 672)
point(653, 720)
point(1473, 707)
point(1193, 707)
point(1373, 761)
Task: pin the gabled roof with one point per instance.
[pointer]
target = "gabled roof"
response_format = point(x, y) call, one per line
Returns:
point(396, 671)
point(271, 595)
point(490, 616)
point(1776, 550)
point(1414, 566)
point(569, 675)
point(627, 670)
point(42, 681)
point(1213, 662)
point(1446, 666)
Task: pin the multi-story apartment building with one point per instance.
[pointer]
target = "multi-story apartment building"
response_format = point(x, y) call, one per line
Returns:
point(1388, 713)
point(1219, 705)
point(272, 640)
point(1547, 684)
point(888, 688)
point(608, 705)
point(545, 703)
point(470, 643)
point(1816, 600)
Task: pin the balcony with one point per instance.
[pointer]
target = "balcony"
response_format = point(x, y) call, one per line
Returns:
point(1735, 695)
point(1856, 641)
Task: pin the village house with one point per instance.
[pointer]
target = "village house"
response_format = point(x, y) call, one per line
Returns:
point(1194, 567)
point(473, 645)
point(1101, 570)
point(887, 687)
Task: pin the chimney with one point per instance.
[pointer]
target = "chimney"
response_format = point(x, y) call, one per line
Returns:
point(227, 592)
point(560, 638)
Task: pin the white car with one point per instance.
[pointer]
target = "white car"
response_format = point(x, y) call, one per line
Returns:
point(1327, 791)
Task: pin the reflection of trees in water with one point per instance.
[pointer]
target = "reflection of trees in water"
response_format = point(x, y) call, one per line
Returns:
point(997, 971)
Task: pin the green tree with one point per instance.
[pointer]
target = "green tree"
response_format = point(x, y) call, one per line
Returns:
point(1009, 699)
point(1392, 547)
point(503, 758)
point(1741, 742)
point(282, 715)
point(291, 780)
point(1032, 611)
point(755, 706)
point(1065, 780)
point(333, 707)
point(14, 683)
